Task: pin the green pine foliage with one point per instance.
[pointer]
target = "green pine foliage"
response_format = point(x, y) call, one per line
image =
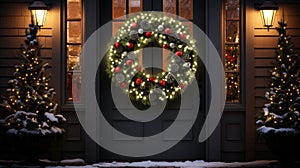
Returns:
point(30, 99)
point(144, 30)
point(282, 109)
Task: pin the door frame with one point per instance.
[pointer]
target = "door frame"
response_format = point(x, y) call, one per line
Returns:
point(213, 30)
point(213, 13)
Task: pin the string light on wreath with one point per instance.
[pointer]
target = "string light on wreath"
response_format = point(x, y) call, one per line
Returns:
point(147, 30)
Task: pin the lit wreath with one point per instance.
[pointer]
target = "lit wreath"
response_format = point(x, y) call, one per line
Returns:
point(161, 31)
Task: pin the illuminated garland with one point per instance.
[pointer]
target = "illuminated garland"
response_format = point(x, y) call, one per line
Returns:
point(152, 30)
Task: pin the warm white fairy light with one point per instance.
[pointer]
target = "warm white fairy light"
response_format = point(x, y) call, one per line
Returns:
point(140, 88)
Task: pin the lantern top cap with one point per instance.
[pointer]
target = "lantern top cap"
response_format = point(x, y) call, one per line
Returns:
point(38, 5)
point(268, 5)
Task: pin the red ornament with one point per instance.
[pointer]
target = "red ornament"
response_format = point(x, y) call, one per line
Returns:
point(123, 85)
point(227, 53)
point(130, 45)
point(129, 62)
point(152, 79)
point(117, 44)
point(138, 81)
point(178, 53)
point(168, 31)
point(134, 25)
point(230, 58)
point(183, 36)
point(162, 83)
point(139, 68)
point(117, 69)
point(165, 46)
point(181, 85)
point(148, 34)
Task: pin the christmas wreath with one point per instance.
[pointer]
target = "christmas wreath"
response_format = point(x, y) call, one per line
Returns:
point(152, 30)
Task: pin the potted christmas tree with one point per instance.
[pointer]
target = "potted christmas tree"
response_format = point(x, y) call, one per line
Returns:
point(33, 121)
point(279, 121)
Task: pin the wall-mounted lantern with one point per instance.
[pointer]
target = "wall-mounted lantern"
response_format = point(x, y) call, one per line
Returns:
point(268, 13)
point(38, 11)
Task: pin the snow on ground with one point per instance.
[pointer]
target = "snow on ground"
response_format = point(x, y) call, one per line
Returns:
point(186, 164)
point(70, 161)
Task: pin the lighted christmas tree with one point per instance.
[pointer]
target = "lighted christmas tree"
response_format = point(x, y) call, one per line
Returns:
point(30, 99)
point(281, 113)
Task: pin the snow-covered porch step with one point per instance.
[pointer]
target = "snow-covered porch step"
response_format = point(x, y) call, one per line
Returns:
point(79, 163)
point(187, 164)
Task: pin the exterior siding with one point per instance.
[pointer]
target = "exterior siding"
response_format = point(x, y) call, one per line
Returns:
point(264, 47)
point(14, 19)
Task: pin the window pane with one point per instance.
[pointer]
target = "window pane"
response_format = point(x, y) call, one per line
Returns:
point(233, 87)
point(115, 27)
point(73, 61)
point(73, 90)
point(232, 31)
point(186, 9)
point(189, 25)
point(166, 53)
point(118, 8)
point(74, 32)
point(232, 8)
point(135, 6)
point(232, 57)
point(169, 6)
point(74, 9)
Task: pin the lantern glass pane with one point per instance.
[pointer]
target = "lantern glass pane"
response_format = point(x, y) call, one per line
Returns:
point(268, 17)
point(39, 17)
point(274, 15)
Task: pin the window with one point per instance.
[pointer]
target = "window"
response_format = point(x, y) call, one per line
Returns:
point(73, 48)
point(119, 11)
point(182, 8)
point(232, 56)
point(74, 35)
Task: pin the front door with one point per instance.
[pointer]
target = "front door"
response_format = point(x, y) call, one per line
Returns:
point(188, 148)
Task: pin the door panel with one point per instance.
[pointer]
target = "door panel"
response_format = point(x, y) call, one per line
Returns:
point(188, 148)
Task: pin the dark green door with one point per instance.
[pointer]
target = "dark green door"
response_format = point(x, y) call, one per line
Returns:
point(188, 148)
